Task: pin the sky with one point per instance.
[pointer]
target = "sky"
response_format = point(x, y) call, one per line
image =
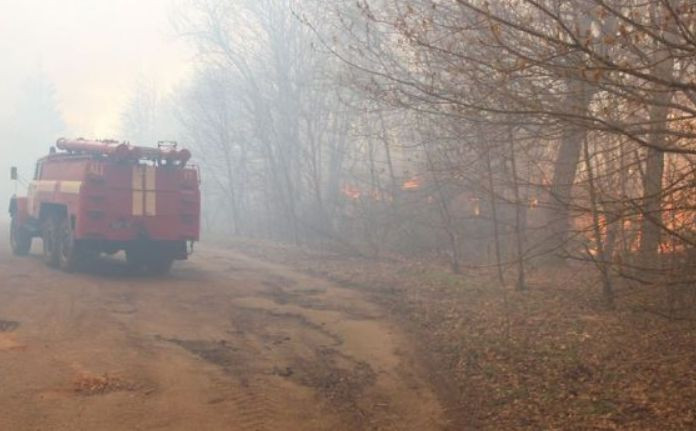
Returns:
point(93, 51)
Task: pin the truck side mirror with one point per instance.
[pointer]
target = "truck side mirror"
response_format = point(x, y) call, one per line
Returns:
point(13, 173)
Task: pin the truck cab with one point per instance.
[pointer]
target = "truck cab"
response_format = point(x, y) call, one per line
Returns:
point(93, 197)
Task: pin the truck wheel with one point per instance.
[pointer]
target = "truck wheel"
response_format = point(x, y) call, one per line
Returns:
point(48, 235)
point(68, 250)
point(20, 240)
point(135, 259)
point(160, 265)
point(156, 262)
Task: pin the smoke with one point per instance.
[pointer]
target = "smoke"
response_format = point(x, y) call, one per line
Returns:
point(69, 67)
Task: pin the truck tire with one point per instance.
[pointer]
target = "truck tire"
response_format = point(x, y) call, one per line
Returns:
point(48, 235)
point(68, 250)
point(139, 260)
point(135, 259)
point(20, 239)
point(160, 265)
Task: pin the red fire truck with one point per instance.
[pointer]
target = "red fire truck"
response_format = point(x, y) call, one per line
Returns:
point(93, 197)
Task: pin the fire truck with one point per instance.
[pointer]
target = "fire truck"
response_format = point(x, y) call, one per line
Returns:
point(93, 197)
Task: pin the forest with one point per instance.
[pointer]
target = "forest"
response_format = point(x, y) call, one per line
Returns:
point(521, 172)
point(502, 134)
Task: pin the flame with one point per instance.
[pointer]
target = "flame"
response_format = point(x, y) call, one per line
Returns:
point(412, 184)
point(351, 191)
point(475, 206)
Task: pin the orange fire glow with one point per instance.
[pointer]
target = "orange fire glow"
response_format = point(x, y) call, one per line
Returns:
point(412, 184)
point(351, 191)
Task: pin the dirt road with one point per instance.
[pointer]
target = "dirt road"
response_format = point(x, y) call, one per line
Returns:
point(226, 342)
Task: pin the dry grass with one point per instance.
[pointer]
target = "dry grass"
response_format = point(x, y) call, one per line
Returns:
point(548, 358)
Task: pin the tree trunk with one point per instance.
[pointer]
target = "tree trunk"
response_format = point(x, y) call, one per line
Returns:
point(565, 167)
point(601, 258)
point(494, 217)
point(520, 219)
point(446, 216)
point(651, 225)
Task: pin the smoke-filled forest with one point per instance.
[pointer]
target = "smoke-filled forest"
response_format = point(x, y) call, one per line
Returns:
point(511, 182)
point(499, 135)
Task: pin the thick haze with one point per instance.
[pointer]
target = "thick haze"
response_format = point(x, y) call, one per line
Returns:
point(92, 53)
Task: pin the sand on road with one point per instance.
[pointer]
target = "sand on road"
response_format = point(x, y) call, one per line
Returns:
point(225, 342)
